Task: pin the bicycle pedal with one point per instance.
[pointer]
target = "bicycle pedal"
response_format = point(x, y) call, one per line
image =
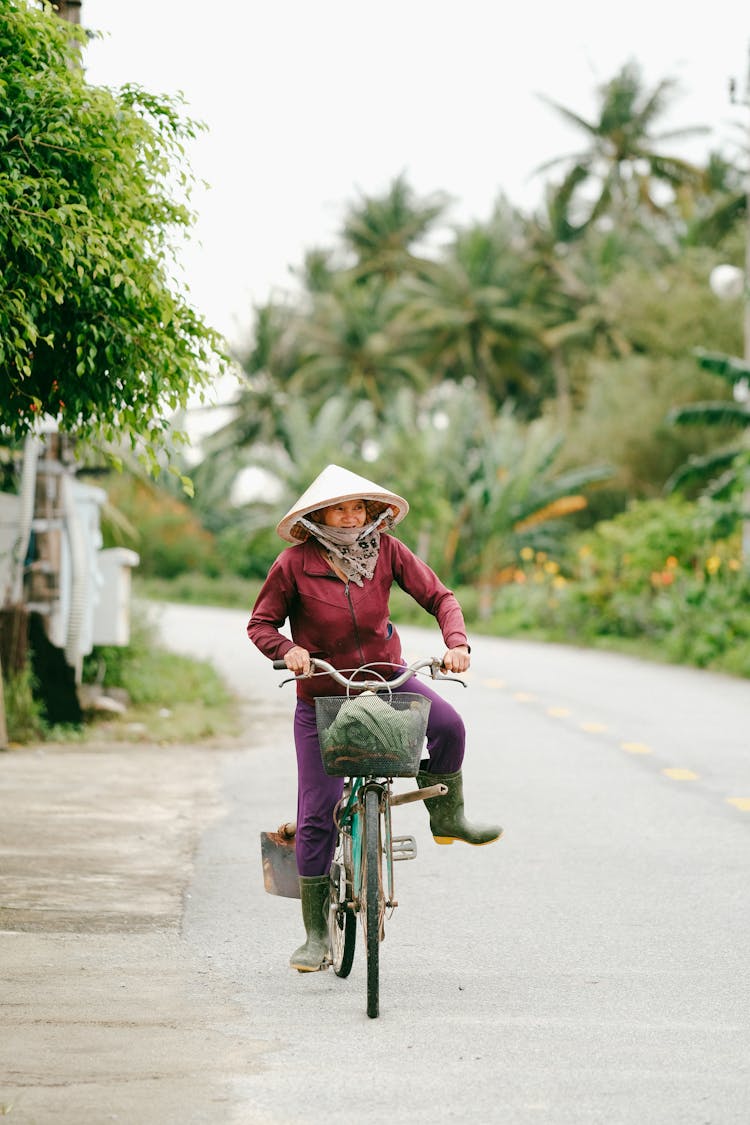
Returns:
point(403, 847)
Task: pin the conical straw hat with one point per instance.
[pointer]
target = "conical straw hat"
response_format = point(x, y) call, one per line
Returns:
point(332, 486)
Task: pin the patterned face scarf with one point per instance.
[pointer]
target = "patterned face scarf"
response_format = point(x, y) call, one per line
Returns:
point(355, 549)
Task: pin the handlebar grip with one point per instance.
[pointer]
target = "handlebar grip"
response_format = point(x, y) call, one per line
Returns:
point(279, 665)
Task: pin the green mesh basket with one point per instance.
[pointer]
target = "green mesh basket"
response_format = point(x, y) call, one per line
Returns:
point(368, 734)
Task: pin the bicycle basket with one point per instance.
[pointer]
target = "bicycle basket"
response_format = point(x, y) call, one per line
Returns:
point(369, 734)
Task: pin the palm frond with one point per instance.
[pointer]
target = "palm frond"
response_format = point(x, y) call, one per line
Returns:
point(700, 468)
point(728, 367)
point(710, 414)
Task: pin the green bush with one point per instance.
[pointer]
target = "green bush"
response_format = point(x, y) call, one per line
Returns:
point(24, 714)
point(167, 535)
point(663, 576)
point(171, 698)
point(248, 554)
point(149, 674)
point(663, 579)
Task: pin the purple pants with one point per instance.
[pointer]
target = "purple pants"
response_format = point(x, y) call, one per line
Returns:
point(317, 793)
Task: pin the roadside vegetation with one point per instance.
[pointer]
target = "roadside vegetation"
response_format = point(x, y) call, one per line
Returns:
point(154, 695)
point(663, 580)
point(557, 392)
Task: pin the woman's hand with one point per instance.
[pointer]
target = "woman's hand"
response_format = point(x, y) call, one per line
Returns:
point(457, 659)
point(297, 660)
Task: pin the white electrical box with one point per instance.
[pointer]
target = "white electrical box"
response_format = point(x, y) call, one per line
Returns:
point(112, 611)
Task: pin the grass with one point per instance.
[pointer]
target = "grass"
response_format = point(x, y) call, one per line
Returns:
point(518, 615)
point(229, 591)
point(172, 698)
point(175, 699)
point(169, 698)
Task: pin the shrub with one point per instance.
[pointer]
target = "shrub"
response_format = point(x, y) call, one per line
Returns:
point(24, 714)
point(163, 530)
point(662, 574)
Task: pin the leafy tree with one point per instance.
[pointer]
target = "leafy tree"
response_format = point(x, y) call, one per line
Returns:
point(624, 394)
point(93, 193)
point(167, 535)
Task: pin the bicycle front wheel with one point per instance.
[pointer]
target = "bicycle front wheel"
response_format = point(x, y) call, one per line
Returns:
point(342, 923)
point(373, 887)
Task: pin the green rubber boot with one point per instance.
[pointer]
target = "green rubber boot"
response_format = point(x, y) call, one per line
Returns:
point(447, 819)
point(314, 892)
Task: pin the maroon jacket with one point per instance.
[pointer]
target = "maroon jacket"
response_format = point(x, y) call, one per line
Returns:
point(345, 624)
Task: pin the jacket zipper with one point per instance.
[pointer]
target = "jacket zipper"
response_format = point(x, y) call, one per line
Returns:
point(354, 623)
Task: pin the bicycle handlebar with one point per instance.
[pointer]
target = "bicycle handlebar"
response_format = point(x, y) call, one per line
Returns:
point(320, 667)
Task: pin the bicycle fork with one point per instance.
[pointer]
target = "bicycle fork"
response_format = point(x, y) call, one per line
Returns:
point(394, 848)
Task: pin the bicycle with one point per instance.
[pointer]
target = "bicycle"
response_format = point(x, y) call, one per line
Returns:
point(369, 747)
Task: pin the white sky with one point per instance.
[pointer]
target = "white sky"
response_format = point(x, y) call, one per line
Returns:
point(310, 104)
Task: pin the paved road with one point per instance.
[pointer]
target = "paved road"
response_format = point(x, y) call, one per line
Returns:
point(591, 969)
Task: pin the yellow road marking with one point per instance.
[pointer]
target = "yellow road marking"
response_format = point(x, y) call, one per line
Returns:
point(636, 747)
point(742, 803)
point(524, 696)
point(680, 774)
point(593, 728)
point(558, 712)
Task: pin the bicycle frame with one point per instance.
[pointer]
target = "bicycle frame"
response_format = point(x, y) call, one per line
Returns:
point(365, 836)
point(349, 821)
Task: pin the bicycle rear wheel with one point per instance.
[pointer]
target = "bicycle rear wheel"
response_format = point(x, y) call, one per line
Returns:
point(342, 923)
point(373, 888)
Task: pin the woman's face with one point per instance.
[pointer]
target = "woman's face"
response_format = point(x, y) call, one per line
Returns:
point(349, 513)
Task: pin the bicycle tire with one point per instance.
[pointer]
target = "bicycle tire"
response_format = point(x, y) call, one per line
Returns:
point(373, 892)
point(342, 922)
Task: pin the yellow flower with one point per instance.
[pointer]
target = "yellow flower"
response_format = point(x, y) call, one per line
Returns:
point(527, 553)
point(713, 564)
point(734, 564)
point(672, 563)
point(541, 556)
point(551, 567)
point(558, 582)
point(584, 551)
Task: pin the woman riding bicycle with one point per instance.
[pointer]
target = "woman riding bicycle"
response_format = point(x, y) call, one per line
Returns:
point(333, 587)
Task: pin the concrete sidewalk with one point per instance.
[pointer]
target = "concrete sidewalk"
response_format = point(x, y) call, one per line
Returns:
point(107, 1014)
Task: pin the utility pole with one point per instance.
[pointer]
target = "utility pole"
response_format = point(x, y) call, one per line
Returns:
point(742, 390)
point(69, 10)
point(731, 282)
point(745, 102)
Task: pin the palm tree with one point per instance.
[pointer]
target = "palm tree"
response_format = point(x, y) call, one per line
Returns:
point(383, 232)
point(483, 485)
point(471, 316)
point(623, 158)
point(351, 343)
point(422, 448)
point(288, 455)
point(565, 283)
